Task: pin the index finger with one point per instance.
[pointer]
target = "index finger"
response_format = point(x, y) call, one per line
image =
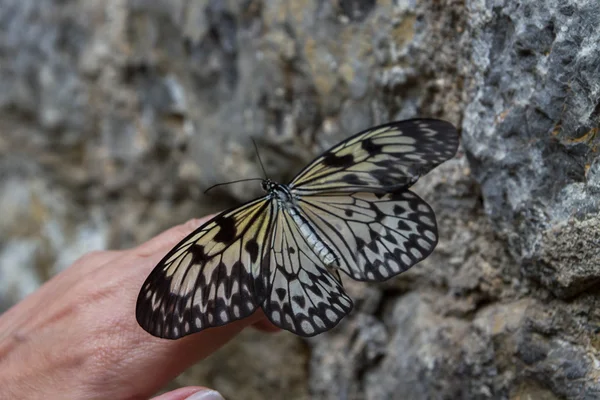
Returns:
point(136, 357)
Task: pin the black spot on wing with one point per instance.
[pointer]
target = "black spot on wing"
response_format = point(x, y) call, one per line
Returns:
point(331, 160)
point(360, 244)
point(348, 212)
point(252, 249)
point(292, 250)
point(370, 147)
point(353, 179)
point(403, 226)
point(300, 300)
point(379, 215)
point(219, 273)
point(316, 290)
point(385, 178)
point(237, 269)
point(281, 293)
point(398, 210)
point(372, 245)
point(198, 254)
point(227, 230)
point(261, 281)
point(390, 238)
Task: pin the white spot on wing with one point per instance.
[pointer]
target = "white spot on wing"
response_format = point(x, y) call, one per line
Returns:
point(307, 327)
point(423, 243)
point(319, 322)
point(423, 208)
point(394, 266)
point(426, 220)
point(430, 235)
point(276, 317)
point(289, 320)
point(345, 301)
point(331, 315)
point(416, 253)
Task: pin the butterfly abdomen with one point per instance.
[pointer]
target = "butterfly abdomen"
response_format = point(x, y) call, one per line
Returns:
point(314, 240)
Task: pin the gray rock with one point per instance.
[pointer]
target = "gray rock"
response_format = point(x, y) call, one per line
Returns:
point(115, 116)
point(531, 129)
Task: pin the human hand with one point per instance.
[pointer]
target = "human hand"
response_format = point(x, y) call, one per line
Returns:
point(77, 336)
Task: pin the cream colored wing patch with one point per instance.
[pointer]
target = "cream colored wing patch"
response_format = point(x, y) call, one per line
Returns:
point(375, 236)
point(212, 277)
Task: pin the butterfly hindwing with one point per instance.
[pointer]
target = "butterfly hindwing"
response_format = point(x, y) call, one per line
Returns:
point(375, 236)
point(304, 297)
point(212, 277)
point(380, 159)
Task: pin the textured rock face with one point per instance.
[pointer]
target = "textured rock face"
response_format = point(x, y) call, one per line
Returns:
point(116, 115)
point(531, 133)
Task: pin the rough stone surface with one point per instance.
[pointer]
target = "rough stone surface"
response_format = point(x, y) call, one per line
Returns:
point(115, 115)
point(531, 132)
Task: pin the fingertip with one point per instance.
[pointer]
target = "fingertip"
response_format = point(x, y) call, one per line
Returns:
point(205, 395)
point(191, 393)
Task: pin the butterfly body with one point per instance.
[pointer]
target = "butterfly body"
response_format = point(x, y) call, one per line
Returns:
point(349, 210)
point(286, 201)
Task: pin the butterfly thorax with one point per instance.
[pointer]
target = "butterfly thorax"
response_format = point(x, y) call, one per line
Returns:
point(269, 186)
point(278, 191)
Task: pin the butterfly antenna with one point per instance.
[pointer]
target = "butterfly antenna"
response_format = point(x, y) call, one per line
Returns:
point(228, 183)
point(259, 160)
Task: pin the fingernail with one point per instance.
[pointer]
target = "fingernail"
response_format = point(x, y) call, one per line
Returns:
point(206, 395)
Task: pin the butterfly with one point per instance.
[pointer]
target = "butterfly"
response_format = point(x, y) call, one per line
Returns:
point(349, 210)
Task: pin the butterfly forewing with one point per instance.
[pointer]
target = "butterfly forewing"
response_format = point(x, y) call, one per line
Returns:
point(212, 277)
point(380, 159)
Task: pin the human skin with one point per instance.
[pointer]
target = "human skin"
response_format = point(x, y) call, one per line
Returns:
point(77, 336)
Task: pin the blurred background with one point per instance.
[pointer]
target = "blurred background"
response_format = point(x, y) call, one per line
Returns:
point(115, 115)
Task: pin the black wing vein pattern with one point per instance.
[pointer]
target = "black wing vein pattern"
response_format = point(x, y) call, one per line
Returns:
point(380, 159)
point(212, 277)
point(304, 297)
point(375, 236)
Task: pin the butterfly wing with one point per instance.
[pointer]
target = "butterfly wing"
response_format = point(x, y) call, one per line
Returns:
point(353, 196)
point(304, 296)
point(380, 159)
point(375, 236)
point(213, 276)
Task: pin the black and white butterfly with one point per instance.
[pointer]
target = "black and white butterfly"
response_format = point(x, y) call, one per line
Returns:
point(349, 210)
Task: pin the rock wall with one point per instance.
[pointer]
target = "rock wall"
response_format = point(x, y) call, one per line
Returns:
point(115, 115)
